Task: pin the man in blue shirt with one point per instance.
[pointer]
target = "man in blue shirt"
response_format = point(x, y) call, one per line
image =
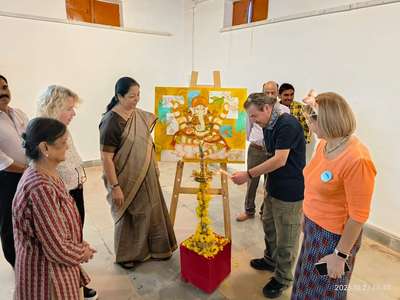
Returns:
point(284, 141)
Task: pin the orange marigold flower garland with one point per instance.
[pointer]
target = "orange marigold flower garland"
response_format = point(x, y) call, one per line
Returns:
point(204, 242)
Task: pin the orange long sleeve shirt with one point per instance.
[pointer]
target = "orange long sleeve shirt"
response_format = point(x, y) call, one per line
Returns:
point(339, 188)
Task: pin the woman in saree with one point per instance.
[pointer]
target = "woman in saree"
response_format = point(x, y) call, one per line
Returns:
point(143, 228)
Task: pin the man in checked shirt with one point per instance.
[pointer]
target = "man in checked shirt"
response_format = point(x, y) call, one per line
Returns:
point(286, 96)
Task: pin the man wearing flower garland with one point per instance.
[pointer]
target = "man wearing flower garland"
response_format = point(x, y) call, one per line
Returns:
point(284, 139)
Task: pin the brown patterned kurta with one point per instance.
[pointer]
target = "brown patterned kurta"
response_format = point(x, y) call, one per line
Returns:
point(48, 240)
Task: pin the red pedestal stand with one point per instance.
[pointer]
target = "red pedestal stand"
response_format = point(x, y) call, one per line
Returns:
point(205, 273)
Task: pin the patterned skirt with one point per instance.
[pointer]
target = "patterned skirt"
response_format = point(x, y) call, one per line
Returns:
point(308, 284)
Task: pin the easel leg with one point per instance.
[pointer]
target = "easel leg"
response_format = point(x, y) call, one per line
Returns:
point(175, 192)
point(193, 78)
point(225, 202)
point(217, 78)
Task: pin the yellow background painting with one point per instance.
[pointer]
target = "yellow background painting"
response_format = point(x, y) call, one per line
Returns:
point(232, 128)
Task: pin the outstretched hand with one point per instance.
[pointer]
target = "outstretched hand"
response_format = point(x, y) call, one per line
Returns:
point(310, 98)
point(240, 177)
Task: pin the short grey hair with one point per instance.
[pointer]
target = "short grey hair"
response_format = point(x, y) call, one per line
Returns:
point(271, 82)
point(259, 100)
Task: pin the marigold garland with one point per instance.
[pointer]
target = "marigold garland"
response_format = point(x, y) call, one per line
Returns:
point(204, 242)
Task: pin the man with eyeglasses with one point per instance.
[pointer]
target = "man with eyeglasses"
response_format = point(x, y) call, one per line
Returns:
point(13, 163)
point(256, 154)
point(284, 140)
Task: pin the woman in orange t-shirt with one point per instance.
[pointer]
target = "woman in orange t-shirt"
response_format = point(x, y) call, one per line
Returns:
point(339, 182)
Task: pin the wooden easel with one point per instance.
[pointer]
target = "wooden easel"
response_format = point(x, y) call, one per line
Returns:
point(223, 191)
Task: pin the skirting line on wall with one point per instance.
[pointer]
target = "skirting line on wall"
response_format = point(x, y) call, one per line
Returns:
point(370, 231)
point(314, 13)
point(92, 163)
point(62, 21)
point(382, 237)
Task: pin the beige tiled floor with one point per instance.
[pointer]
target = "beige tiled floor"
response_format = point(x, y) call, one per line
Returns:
point(376, 275)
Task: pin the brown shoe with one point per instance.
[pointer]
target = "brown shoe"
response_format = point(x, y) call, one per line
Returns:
point(243, 217)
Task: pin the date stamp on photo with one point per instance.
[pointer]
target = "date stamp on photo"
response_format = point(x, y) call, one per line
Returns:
point(364, 287)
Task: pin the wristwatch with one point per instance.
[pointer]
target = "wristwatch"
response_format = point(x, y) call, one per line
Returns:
point(341, 254)
point(113, 186)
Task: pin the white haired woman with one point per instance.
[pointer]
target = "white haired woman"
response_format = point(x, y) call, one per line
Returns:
point(59, 103)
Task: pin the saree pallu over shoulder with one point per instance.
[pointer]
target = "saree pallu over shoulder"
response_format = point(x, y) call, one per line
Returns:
point(133, 158)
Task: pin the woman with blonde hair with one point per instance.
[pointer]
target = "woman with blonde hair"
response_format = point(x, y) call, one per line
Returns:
point(59, 103)
point(339, 183)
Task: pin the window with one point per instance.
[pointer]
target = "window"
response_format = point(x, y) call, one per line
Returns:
point(247, 11)
point(94, 11)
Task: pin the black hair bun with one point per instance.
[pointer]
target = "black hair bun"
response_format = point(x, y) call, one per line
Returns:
point(31, 150)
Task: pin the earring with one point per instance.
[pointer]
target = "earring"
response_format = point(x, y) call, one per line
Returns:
point(47, 155)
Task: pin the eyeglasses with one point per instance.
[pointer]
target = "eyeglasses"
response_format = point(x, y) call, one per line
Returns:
point(313, 116)
point(81, 179)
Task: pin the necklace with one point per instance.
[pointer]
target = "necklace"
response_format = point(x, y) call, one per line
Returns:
point(344, 140)
point(123, 112)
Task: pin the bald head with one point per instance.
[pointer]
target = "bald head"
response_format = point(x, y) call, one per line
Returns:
point(270, 89)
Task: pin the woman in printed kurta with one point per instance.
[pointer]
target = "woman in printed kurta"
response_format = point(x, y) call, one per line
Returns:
point(143, 228)
point(46, 223)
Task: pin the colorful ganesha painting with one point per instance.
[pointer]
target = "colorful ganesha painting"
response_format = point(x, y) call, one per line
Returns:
point(199, 124)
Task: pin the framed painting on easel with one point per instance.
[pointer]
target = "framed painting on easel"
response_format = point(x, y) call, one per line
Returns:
point(188, 115)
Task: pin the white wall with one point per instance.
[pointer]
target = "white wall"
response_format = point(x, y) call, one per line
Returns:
point(281, 8)
point(158, 15)
point(35, 54)
point(45, 8)
point(353, 53)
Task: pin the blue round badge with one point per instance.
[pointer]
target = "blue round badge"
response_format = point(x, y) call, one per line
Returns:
point(326, 176)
